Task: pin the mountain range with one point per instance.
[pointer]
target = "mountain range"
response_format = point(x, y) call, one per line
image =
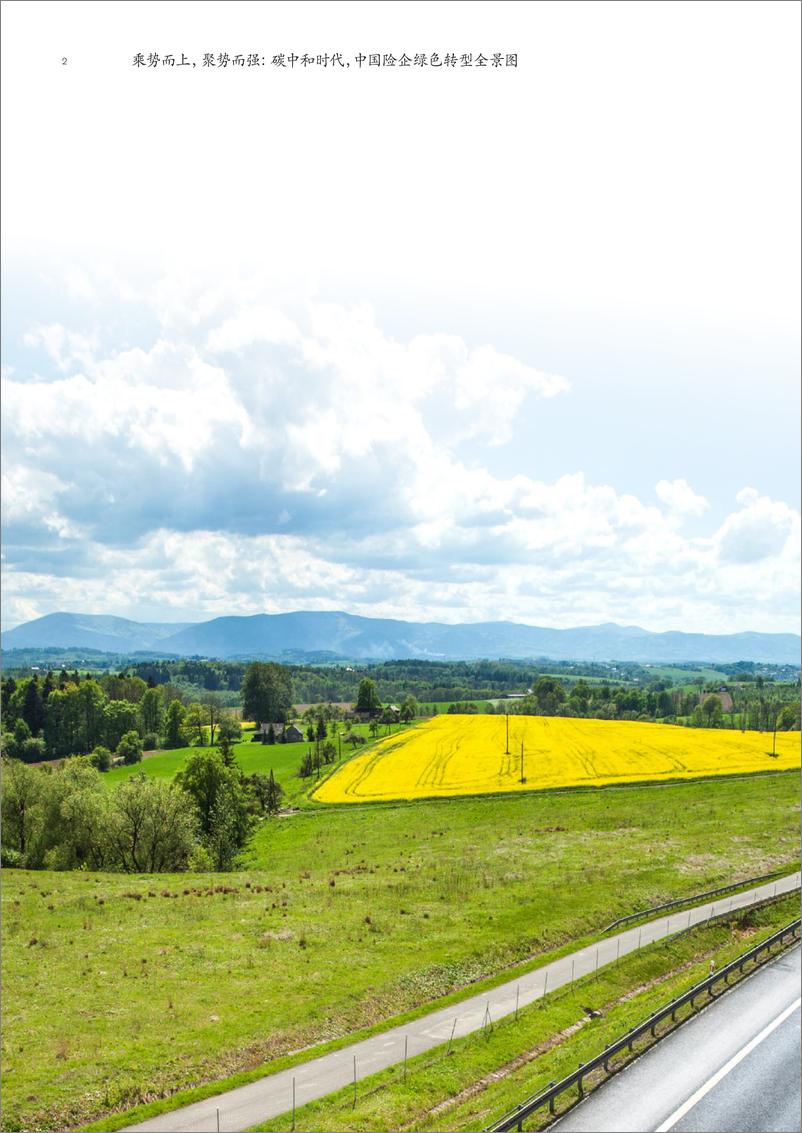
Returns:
point(350, 636)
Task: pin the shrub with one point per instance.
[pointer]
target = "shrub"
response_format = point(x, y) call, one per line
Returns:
point(31, 750)
point(100, 758)
point(129, 748)
point(150, 741)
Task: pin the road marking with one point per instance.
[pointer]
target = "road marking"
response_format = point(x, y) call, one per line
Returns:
point(678, 1114)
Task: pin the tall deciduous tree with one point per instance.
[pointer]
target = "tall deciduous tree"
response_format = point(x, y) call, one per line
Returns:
point(174, 724)
point(266, 693)
point(367, 698)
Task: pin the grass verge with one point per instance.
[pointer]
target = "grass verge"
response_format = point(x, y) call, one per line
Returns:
point(486, 1074)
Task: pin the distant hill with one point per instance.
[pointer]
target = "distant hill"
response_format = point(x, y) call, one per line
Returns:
point(89, 631)
point(334, 633)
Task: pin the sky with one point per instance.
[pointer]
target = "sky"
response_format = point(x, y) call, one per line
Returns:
point(455, 344)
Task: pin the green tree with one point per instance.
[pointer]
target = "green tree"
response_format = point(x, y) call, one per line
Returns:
point(712, 712)
point(367, 698)
point(174, 724)
point(23, 797)
point(206, 778)
point(267, 792)
point(91, 709)
point(266, 693)
point(195, 722)
point(226, 749)
point(212, 707)
point(548, 694)
point(229, 729)
point(409, 709)
point(119, 717)
point(33, 709)
point(100, 758)
point(151, 712)
point(62, 730)
point(129, 749)
point(152, 827)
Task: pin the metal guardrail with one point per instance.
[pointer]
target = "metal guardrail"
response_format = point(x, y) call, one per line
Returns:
point(515, 1118)
point(695, 897)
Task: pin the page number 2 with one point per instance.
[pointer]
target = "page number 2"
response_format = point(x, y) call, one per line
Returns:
point(64, 60)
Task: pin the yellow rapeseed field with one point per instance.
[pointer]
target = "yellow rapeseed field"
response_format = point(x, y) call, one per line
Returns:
point(466, 755)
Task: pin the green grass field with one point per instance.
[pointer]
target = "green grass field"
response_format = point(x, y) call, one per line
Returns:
point(688, 676)
point(123, 989)
point(283, 759)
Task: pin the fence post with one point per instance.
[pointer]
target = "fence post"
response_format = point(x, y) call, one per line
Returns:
point(551, 1099)
point(517, 998)
point(579, 1082)
point(218, 1119)
point(354, 1105)
point(453, 1029)
point(293, 1103)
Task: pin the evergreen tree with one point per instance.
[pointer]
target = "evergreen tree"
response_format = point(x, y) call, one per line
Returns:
point(33, 710)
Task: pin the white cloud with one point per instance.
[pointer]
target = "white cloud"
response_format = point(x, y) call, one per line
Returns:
point(255, 458)
point(762, 529)
point(680, 497)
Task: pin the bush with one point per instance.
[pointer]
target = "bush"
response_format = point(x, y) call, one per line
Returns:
point(100, 758)
point(129, 748)
point(150, 741)
point(31, 750)
point(200, 860)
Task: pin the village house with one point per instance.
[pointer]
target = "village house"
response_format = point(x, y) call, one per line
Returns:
point(283, 733)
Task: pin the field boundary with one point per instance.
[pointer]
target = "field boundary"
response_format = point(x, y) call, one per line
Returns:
point(638, 784)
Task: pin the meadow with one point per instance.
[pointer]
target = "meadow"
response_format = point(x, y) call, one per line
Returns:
point(471, 755)
point(282, 759)
point(122, 989)
point(488, 1074)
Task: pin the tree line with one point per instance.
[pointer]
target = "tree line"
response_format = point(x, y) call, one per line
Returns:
point(63, 817)
point(115, 715)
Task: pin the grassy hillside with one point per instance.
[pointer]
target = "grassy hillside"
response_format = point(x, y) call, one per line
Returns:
point(283, 759)
point(120, 989)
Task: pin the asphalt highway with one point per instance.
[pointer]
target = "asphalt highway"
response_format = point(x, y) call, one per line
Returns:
point(732, 1069)
point(240, 1108)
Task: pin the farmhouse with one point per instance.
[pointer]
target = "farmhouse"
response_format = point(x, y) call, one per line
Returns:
point(284, 733)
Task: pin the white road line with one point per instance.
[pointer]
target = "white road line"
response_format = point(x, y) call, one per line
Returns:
point(678, 1114)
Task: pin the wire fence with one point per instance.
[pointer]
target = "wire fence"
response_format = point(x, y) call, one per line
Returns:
point(515, 1118)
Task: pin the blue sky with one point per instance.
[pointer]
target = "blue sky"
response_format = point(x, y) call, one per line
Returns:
point(444, 352)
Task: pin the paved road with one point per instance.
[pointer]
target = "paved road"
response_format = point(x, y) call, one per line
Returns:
point(272, 1095)
point(732, 1069)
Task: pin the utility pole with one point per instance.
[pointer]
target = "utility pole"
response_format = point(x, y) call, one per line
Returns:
point(507, 718)
point(523, 780)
